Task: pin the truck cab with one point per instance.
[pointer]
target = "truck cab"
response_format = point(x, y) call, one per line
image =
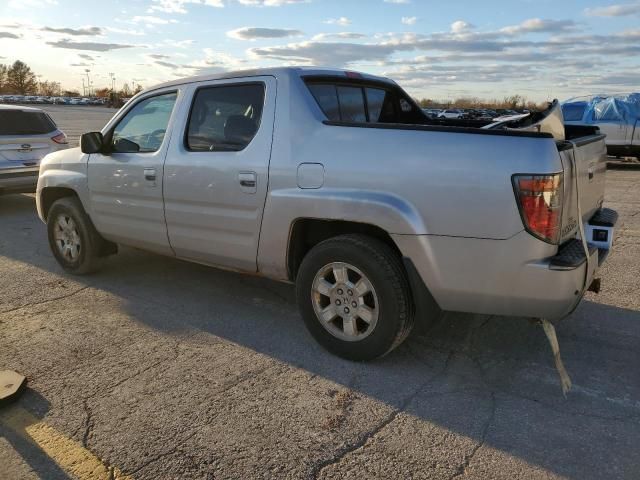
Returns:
point(616, 117)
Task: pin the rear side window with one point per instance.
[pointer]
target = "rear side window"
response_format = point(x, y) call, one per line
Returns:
point(224, 118)
point(362, 103)
point(351, 101)
point(327, 98)
point(380, 104)
point(573, 113)
point(22, 122)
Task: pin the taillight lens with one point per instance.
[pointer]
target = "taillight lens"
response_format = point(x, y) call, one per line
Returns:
point(540, 200)
point(61, 138)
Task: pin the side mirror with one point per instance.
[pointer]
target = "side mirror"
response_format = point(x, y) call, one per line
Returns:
point(91, 142)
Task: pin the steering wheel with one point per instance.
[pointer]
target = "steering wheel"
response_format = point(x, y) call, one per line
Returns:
point(154, 139)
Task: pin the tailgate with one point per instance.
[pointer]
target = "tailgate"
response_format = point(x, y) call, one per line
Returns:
point(591, 160)
point(22, 150)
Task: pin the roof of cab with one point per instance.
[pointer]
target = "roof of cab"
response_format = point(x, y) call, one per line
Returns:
point(275, 72)
point(20, 107)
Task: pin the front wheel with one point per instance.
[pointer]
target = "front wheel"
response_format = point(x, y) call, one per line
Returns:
point(72, 237)
point(354, 297)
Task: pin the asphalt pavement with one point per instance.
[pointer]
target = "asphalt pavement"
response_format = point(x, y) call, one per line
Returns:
point(155, 368)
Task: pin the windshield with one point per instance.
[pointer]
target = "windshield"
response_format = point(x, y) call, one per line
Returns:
point(21, 122)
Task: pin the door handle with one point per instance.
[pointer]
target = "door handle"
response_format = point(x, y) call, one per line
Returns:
point(150, 174)
point(248, 182)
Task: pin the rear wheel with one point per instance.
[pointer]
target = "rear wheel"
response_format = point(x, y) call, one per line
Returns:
point(73, 239)
point(354, 297)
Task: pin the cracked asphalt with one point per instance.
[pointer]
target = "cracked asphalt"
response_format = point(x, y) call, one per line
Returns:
point(170, 370)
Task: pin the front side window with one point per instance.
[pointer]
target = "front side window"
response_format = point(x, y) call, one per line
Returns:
point(143, 128)
point(225, 118)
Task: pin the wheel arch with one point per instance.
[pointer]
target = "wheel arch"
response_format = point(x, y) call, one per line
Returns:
point(49, 195)
point(305, 233)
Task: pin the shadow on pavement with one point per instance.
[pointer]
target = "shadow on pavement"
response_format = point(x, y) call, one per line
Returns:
point(13, 422)
point(490, 379)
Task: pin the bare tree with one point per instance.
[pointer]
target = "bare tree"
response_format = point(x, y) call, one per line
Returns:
point(126, 91)
point(21, 79)
point(3, 78)
point(102, 92)
point(48, 88)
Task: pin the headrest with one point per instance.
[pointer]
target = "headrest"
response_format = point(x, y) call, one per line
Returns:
point(239, 129)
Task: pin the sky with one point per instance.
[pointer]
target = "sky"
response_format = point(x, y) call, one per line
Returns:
point(540, 49)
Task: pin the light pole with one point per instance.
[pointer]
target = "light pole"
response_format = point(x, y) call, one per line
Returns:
point(87, 71)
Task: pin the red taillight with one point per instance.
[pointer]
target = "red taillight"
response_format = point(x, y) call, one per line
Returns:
point(61, 138)
point(540, 201)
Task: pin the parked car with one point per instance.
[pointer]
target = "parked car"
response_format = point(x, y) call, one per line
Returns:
point(377, 216)
point(431, 112)
point(451, 113)
point(27, 134)
point(616, 116)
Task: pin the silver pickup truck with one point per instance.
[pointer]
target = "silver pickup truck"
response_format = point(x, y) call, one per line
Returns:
point(336, 181)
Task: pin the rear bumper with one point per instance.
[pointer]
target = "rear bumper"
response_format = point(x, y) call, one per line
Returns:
point(513, 277)
point(18, 180)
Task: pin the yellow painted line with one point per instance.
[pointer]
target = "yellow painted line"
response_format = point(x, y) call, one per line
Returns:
point(68, 454)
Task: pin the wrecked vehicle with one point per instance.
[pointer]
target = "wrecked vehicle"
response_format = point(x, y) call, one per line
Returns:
point(337, 181)
point(617, 116)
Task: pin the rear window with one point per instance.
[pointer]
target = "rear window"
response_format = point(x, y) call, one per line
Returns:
point(225, 118)
point(573, 112)
point(363, 103)
point(20, 122)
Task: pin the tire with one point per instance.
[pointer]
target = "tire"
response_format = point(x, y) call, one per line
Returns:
point(387, 305)
point(67, 222)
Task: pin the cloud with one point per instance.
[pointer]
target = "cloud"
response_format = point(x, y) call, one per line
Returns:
point(167, 64)
point(178, 6)
point(92, 46)
point(85, 56)
point(614, 10)
point(8, 35)
point(460, 26)
point(343, 21)
point(176, 43)
point(151, 20)
point(341, 35)
point(325, 53)
point(271, 3)
point(537, 25)
point(81, 64)
point(24, 4)
point(158, 56)
point(252, 33)
point(86, 31)
point(125, 31)
point(409, 20)
point(397, 1)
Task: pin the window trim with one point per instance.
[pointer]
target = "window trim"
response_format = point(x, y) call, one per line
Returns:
point(185, 136)
point(108, 138)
